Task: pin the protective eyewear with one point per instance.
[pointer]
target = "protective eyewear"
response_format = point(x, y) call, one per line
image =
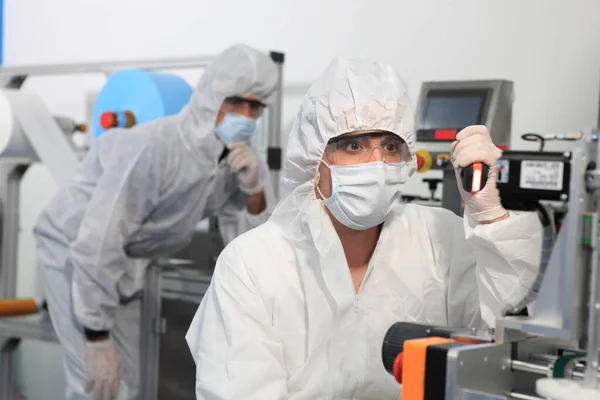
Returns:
point(254, 105)
point(359, 148)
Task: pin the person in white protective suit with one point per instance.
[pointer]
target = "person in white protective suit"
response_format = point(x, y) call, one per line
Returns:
point(140, 194)
point(298, 307)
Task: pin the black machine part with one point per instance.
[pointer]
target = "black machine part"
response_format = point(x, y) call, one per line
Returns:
point(433, 185)
point(393, 342)
point(524, 178)
point(519, 190)
point(398, 333)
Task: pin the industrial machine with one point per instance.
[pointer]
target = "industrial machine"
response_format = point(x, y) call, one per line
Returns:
point(552, 350)
point(444, 108)
point(133, 94)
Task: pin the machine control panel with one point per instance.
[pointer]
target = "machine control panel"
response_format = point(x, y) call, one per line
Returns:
point(444, 112)
point(445, 108)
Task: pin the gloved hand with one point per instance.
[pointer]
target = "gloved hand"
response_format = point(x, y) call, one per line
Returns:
point(243, 161)
point(104, 369)
point(475, 144)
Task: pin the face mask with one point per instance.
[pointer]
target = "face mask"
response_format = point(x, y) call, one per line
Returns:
point(363, 195)
point(235, 128)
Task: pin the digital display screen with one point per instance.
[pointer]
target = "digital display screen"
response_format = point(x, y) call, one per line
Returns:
point(452, 111)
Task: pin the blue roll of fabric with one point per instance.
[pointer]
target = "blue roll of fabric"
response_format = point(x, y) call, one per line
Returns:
point(134, 96)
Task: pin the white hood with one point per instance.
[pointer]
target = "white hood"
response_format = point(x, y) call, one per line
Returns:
point(238, 71)
point(351, 95)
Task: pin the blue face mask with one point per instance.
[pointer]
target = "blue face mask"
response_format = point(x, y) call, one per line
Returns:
point(236, 128)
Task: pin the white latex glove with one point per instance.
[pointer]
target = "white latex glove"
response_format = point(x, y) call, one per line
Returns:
point(474, 144)
point(243, 161)
point(104, 369)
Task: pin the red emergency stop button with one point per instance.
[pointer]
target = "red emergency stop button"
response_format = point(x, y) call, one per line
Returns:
point(108, 119)
point(420, 161)
point(424, 161)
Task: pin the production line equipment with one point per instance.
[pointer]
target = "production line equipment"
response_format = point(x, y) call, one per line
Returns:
point(545, 346)
point(134, 93)
point(444, 109)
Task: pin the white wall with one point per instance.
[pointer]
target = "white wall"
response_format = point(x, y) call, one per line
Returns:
point(549, 48)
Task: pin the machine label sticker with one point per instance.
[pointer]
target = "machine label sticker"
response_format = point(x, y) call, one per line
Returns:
point(542, 175)
point(502, 171)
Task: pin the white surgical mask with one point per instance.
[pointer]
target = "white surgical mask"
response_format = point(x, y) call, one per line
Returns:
point(235, 128)
point(363, 195)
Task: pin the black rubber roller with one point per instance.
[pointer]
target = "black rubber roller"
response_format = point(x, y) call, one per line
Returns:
point(393, 342)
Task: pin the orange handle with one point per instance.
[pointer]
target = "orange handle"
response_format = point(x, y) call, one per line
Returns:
point(415, 356)
point(14, 307)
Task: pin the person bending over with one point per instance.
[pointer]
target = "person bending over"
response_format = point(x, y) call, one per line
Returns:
point(138, 194)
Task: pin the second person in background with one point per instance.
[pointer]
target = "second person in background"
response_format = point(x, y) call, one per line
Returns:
point(139, 194)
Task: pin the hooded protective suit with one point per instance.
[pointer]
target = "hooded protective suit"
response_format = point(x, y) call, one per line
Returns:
point(140, 193)
point(283, 321)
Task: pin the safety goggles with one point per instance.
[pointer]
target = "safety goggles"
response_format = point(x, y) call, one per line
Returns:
point(359, 148)
point(237, 104)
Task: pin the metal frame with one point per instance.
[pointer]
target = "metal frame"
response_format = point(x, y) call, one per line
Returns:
point(163, 280)
point(566, 310)
point(560, 309)
point(451, 198)
point(105, 67)
point(470, 368)
point(152, 327)
point(153, 324)
point(275, 121)
point(10, 179)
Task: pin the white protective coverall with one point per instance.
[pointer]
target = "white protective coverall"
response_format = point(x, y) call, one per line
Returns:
point(140, 193)
point(281, 319)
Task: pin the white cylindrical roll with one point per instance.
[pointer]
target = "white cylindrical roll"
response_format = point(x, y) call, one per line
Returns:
point(13, 142)
point(39, 130)
point(564, 389)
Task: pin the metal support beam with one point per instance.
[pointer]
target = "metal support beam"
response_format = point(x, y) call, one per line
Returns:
point(107, 67)
point(274, 151)
point(153, 326)
point(10, 179)
point(451, 199)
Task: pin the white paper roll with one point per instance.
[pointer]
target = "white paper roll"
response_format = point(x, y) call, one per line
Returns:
point(564, 389)
point(13, 143)
point(30, 133)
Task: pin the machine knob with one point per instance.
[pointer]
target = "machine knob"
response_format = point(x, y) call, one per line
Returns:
point(111, 119)
point(68, 125)
point(393, 342)
point(108, 120)
point(442, 160)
